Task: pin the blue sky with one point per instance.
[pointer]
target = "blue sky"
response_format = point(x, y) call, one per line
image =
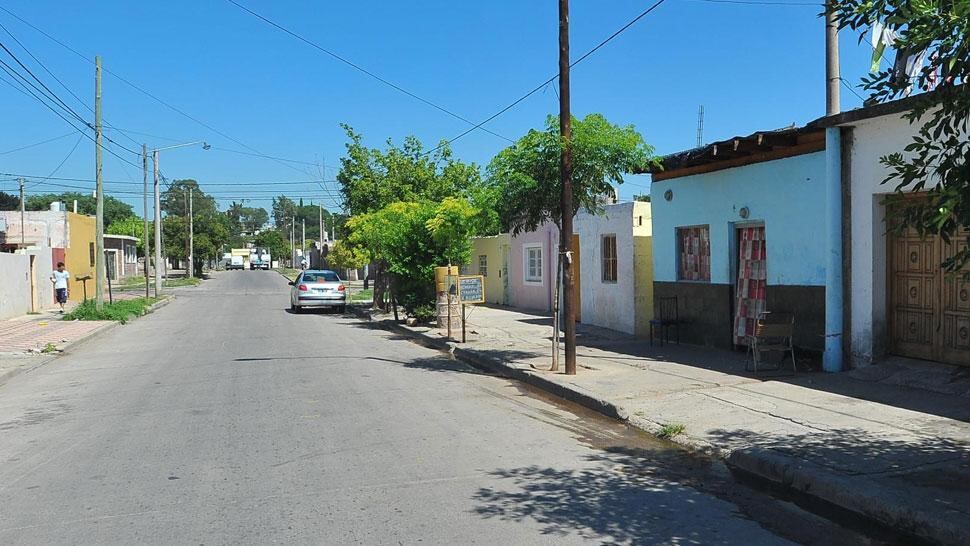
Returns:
point(752, 67)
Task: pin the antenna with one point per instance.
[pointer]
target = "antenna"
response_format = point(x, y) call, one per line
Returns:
point(700, 126)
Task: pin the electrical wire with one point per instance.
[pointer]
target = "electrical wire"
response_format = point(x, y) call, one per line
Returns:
point(38, 143)
point(361, 69)
point(68, 156)
point(536, 89)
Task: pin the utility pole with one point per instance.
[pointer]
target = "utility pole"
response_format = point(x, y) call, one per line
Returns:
point(566, 200)
point(99, 210)
point(191, 269)
point(158, 228)
point(23, 208)
point(323, 232)
point(293, 242)
point(144, 241)
point(832, 70)
point(303, 240)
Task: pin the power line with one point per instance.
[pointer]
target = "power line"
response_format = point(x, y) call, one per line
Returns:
point(762, 3)
point(250, 183)
point(361, 69)
point(514, 103)
point(68, 156)
point(38, 143)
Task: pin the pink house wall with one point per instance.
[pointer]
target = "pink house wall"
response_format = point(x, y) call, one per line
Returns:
point(537, 297)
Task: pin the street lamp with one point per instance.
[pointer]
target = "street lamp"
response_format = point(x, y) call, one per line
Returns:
point(158, 208)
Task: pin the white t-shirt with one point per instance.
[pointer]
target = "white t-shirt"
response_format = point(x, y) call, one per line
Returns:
point(60, 279)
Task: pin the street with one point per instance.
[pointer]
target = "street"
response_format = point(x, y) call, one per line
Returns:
point(225, 419)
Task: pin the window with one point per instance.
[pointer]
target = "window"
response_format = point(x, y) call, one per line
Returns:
point(608, 250)
point(532, 260)
point(320, 276)
point(91, 252)
point(483, 265)
point(694, 253)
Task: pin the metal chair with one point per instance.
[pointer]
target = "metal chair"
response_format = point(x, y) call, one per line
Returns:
point(667, 316)
point(772, 332)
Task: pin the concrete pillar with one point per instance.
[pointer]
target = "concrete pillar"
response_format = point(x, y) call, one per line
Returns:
point(832, 358)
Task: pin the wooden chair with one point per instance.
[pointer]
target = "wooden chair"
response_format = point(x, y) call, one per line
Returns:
point(772, 332)
point(667, 316)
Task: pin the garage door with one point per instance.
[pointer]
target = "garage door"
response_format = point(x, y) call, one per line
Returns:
point(930, 308)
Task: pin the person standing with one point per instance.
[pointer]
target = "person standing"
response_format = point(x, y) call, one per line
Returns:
point(60, 278)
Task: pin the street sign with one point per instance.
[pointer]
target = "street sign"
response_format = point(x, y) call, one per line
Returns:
point(471, 289)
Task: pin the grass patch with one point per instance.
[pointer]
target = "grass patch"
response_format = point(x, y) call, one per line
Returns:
point(288, 272)
point(182, 281)
point(363, 295)
point(49, 348)
point(120, 311)
point(139, 282)
point(669, 431)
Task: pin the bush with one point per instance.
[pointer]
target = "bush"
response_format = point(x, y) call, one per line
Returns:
point(119, 311)
point(425, 313)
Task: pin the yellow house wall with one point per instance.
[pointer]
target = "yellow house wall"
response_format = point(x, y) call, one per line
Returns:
point(492, 247)
point(643, 267)
point(77, 257)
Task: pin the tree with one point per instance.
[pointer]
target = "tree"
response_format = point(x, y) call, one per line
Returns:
point(283, 210)
point(371, 180)
point(114, 209)
point(275, 241)
point(937, 160)
point(529, 189)
point(132, 226)
point(9, 202)
point(211, 228)
point(412, 238)
point(345, 256)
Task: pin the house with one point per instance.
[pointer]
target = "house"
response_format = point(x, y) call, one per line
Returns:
point(898, 299)
point(532, 268)
point(615, 267)
point(67, 236)
point(121, 252)
point(738, 229)
point(490, 258)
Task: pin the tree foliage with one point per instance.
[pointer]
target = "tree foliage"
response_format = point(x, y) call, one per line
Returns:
point(526, 175)
point(413, 238)
point(114, 209)
point(132, 226)
point(243, 219)
point(277, 242)
point(211, 228)
point(937, 160)
point(343, 255)
point(9, 201)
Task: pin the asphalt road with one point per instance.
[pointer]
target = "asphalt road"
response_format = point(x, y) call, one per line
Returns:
point(225, 419)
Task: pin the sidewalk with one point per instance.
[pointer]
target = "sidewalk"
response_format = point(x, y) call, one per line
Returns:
point(890, 442)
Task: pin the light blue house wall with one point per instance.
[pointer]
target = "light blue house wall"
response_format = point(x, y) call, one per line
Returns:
point(787, 195)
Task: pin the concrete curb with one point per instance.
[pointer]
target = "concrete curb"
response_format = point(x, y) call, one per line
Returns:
point(46, 359)
point(874, 504)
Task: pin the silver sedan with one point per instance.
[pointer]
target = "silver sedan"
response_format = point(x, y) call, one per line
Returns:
point(318, 288)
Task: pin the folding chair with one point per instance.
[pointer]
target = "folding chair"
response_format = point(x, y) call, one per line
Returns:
point(772, 332)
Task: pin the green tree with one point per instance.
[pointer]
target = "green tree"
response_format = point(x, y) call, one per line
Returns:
point(283, 210)
point(527, 173)
point(211, 228)
point(8, 201)
point(132, 226)
point(114, 209)
point(345, 256)
point(276, 241)
point(412, 238)
point(937, 160)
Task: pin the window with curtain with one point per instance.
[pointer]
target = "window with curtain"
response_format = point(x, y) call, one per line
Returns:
point(608, 249)
point(694, 250)
point(483, 265)
point(533, 264)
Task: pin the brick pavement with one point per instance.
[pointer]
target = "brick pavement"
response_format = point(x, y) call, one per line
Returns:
point(20, 336)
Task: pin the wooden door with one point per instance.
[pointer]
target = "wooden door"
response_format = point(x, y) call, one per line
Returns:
point(930, 308)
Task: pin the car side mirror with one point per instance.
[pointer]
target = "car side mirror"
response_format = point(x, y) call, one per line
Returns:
point(291, 283)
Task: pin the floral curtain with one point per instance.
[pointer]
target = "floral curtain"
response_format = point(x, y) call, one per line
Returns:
point(695, 254)
point(752, 275)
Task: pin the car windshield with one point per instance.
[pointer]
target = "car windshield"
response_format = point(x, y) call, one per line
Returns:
point(321, 276)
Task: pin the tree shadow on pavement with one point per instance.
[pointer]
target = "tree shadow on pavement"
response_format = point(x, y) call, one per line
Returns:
point(623, 496)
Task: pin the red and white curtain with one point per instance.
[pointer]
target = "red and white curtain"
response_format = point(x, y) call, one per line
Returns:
point(752, 279)
point(695, 254)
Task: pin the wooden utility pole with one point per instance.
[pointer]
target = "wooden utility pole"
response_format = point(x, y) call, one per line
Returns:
point(566, 200)
point(303, 239)
point(191, 267)
point(323, 232)
point(144, 241)
point(23, 208)
point(99, 271)
point(158, 228)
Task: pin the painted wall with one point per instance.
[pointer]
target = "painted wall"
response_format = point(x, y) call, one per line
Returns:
point(77, 256)
point(786, 194)
point(43, 265)
point(41, 228)
point(615, 305)
point(533, 296)
point(870, 140)
point(14, 285)
point(495, 248)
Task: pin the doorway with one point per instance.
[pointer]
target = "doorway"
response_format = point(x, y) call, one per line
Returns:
point(750, 299)
point(930, 308)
